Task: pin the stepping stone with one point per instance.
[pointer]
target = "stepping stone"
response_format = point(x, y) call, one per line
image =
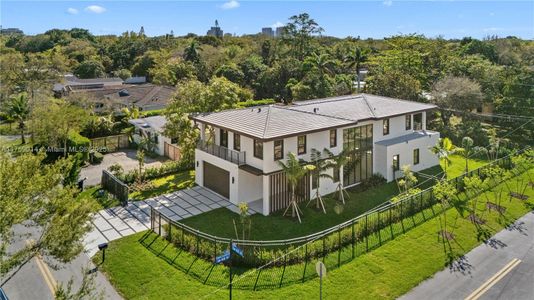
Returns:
point(194, 211)
point(204, 199)
point(215, 206)
point(203, 207)
point(111, 234)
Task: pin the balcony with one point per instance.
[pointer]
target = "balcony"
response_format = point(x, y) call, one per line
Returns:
point(236, 157)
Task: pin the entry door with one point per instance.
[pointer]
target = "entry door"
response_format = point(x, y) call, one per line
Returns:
point(217, 179)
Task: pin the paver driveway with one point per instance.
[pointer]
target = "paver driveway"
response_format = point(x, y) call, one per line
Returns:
point(113, 223)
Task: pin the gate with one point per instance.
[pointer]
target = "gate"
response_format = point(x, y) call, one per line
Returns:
point(171, 151)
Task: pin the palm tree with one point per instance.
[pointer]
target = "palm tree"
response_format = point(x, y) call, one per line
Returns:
point(320, 167)
point(322, 63)
point(443, 149)
point(338, 163)
point(192, 52)
point(355, 59)
point(18, 110)
point(468, 150)
point(294, 172)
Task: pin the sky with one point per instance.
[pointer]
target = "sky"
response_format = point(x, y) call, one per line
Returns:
point(374, 19)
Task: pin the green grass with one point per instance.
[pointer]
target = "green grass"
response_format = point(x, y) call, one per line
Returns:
point(457, 166)
point(276, 226)
point(166, 184)
point(101, 201)
point(386, 272)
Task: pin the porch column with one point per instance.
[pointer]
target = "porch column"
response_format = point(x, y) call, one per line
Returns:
point(266, 195)
point(202, 131)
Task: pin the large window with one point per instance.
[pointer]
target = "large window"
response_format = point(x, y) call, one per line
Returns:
point(418, 121)
point(333, 138)
point(408, 122)
point(258, 149)
point(237, 142)
point(278, 149)
point(223, 138)
point(396, 163)
point(415, 156)
point(359, 141)
point(301, 144)
point(385, 125)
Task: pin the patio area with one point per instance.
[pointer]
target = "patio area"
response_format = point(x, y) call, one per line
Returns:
point(113, 223)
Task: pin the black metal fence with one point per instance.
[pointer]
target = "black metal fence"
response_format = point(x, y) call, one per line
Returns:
point(110, 143)
point(114, 186)
point(230, 155)
point(281, 262)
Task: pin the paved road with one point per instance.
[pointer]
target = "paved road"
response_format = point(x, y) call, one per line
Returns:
point(500, 269)
point(38, 278)
point(114, 223)
point(126, 158)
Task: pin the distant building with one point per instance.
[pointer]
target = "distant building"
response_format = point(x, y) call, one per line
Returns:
point(280, 31)
point(215, 30)
point(267, 31)
point(8, 31)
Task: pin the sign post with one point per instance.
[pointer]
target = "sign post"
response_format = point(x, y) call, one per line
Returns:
point(320, 268)
point(227, 256)
point(230, 263)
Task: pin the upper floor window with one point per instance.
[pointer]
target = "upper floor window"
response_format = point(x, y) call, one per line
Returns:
point(278, 149)
point(301, 144)
point(418, 121)
point(333, 138)
point(385, 128)
point(223, 138)
point(396, 162)
point(415, 156)
point(258, 149)
point(408, 122)
point(237, 142)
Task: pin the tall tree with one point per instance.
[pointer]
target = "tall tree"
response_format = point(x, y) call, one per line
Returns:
point(34, 194)
point(355, 59)
point(19, 110)
point(298, 34)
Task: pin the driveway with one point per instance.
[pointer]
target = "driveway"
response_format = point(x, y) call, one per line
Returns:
point(503, 268)
point(113, 223)
point(125, 158)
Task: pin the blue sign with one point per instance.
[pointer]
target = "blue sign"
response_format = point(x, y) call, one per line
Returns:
point(224, 257)
point(237, 250)
point(3, 295)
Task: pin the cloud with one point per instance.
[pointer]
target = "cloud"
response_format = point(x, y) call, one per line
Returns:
point(387, 2)
point(72, 11)
point(230, 4)
point(277, 24)
point(95, 9)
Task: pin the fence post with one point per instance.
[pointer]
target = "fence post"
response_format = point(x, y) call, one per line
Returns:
point(196, 250)
point(390, 223)
point(169, 238)
point(159, 225)
point(353, 238)
point(339, 246)
point(366, 235)
point(305, 260)
point(379, 229)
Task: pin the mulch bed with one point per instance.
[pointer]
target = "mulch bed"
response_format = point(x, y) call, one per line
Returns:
point(518, 196)
point(495, 207)
point(475, 219)
point(531, 184)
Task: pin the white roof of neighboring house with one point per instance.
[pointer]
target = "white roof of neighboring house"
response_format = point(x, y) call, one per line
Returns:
point(276, 121)
point(155, 122)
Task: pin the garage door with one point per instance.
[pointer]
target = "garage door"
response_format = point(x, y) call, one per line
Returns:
point(217, 179)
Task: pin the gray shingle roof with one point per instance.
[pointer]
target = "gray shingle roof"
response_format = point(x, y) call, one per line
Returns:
point(268, 122)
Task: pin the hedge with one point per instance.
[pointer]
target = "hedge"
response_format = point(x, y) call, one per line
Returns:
point(166, 168)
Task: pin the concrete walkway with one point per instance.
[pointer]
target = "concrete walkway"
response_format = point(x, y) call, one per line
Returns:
point(113, 223)
point(503, 268)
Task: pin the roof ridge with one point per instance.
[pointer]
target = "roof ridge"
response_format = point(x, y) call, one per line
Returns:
point(369, 105)
point(266, 121)
point(329, 99)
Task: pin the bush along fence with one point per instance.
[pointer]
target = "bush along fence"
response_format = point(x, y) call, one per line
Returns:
point(114, 186)
point(334, 246)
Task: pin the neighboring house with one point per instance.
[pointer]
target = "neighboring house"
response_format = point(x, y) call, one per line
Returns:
point(239, 149)
point(152, 128)
point(115, 94)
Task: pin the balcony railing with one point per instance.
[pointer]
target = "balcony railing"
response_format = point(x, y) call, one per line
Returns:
point(233, 156)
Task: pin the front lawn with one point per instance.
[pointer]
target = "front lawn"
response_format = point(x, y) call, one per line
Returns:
point(102, 199)
point(386, 272)
point(165, 185)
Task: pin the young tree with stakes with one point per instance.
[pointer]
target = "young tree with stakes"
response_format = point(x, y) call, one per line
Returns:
point(294, 173)
point(320, 167)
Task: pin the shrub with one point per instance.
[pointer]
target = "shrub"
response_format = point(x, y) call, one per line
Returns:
point(97, 157)
point(78, 144)
point(375, 180)
point(155, 172)
point(250, 103)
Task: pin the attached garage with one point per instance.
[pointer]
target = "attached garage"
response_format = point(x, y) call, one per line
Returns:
point(217, 179)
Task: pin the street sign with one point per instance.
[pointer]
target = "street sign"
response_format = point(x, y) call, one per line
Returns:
point(3, 295)
point(237, 250)
point(223, 257)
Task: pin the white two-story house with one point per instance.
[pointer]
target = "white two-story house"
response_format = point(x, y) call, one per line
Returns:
point(237, 156)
